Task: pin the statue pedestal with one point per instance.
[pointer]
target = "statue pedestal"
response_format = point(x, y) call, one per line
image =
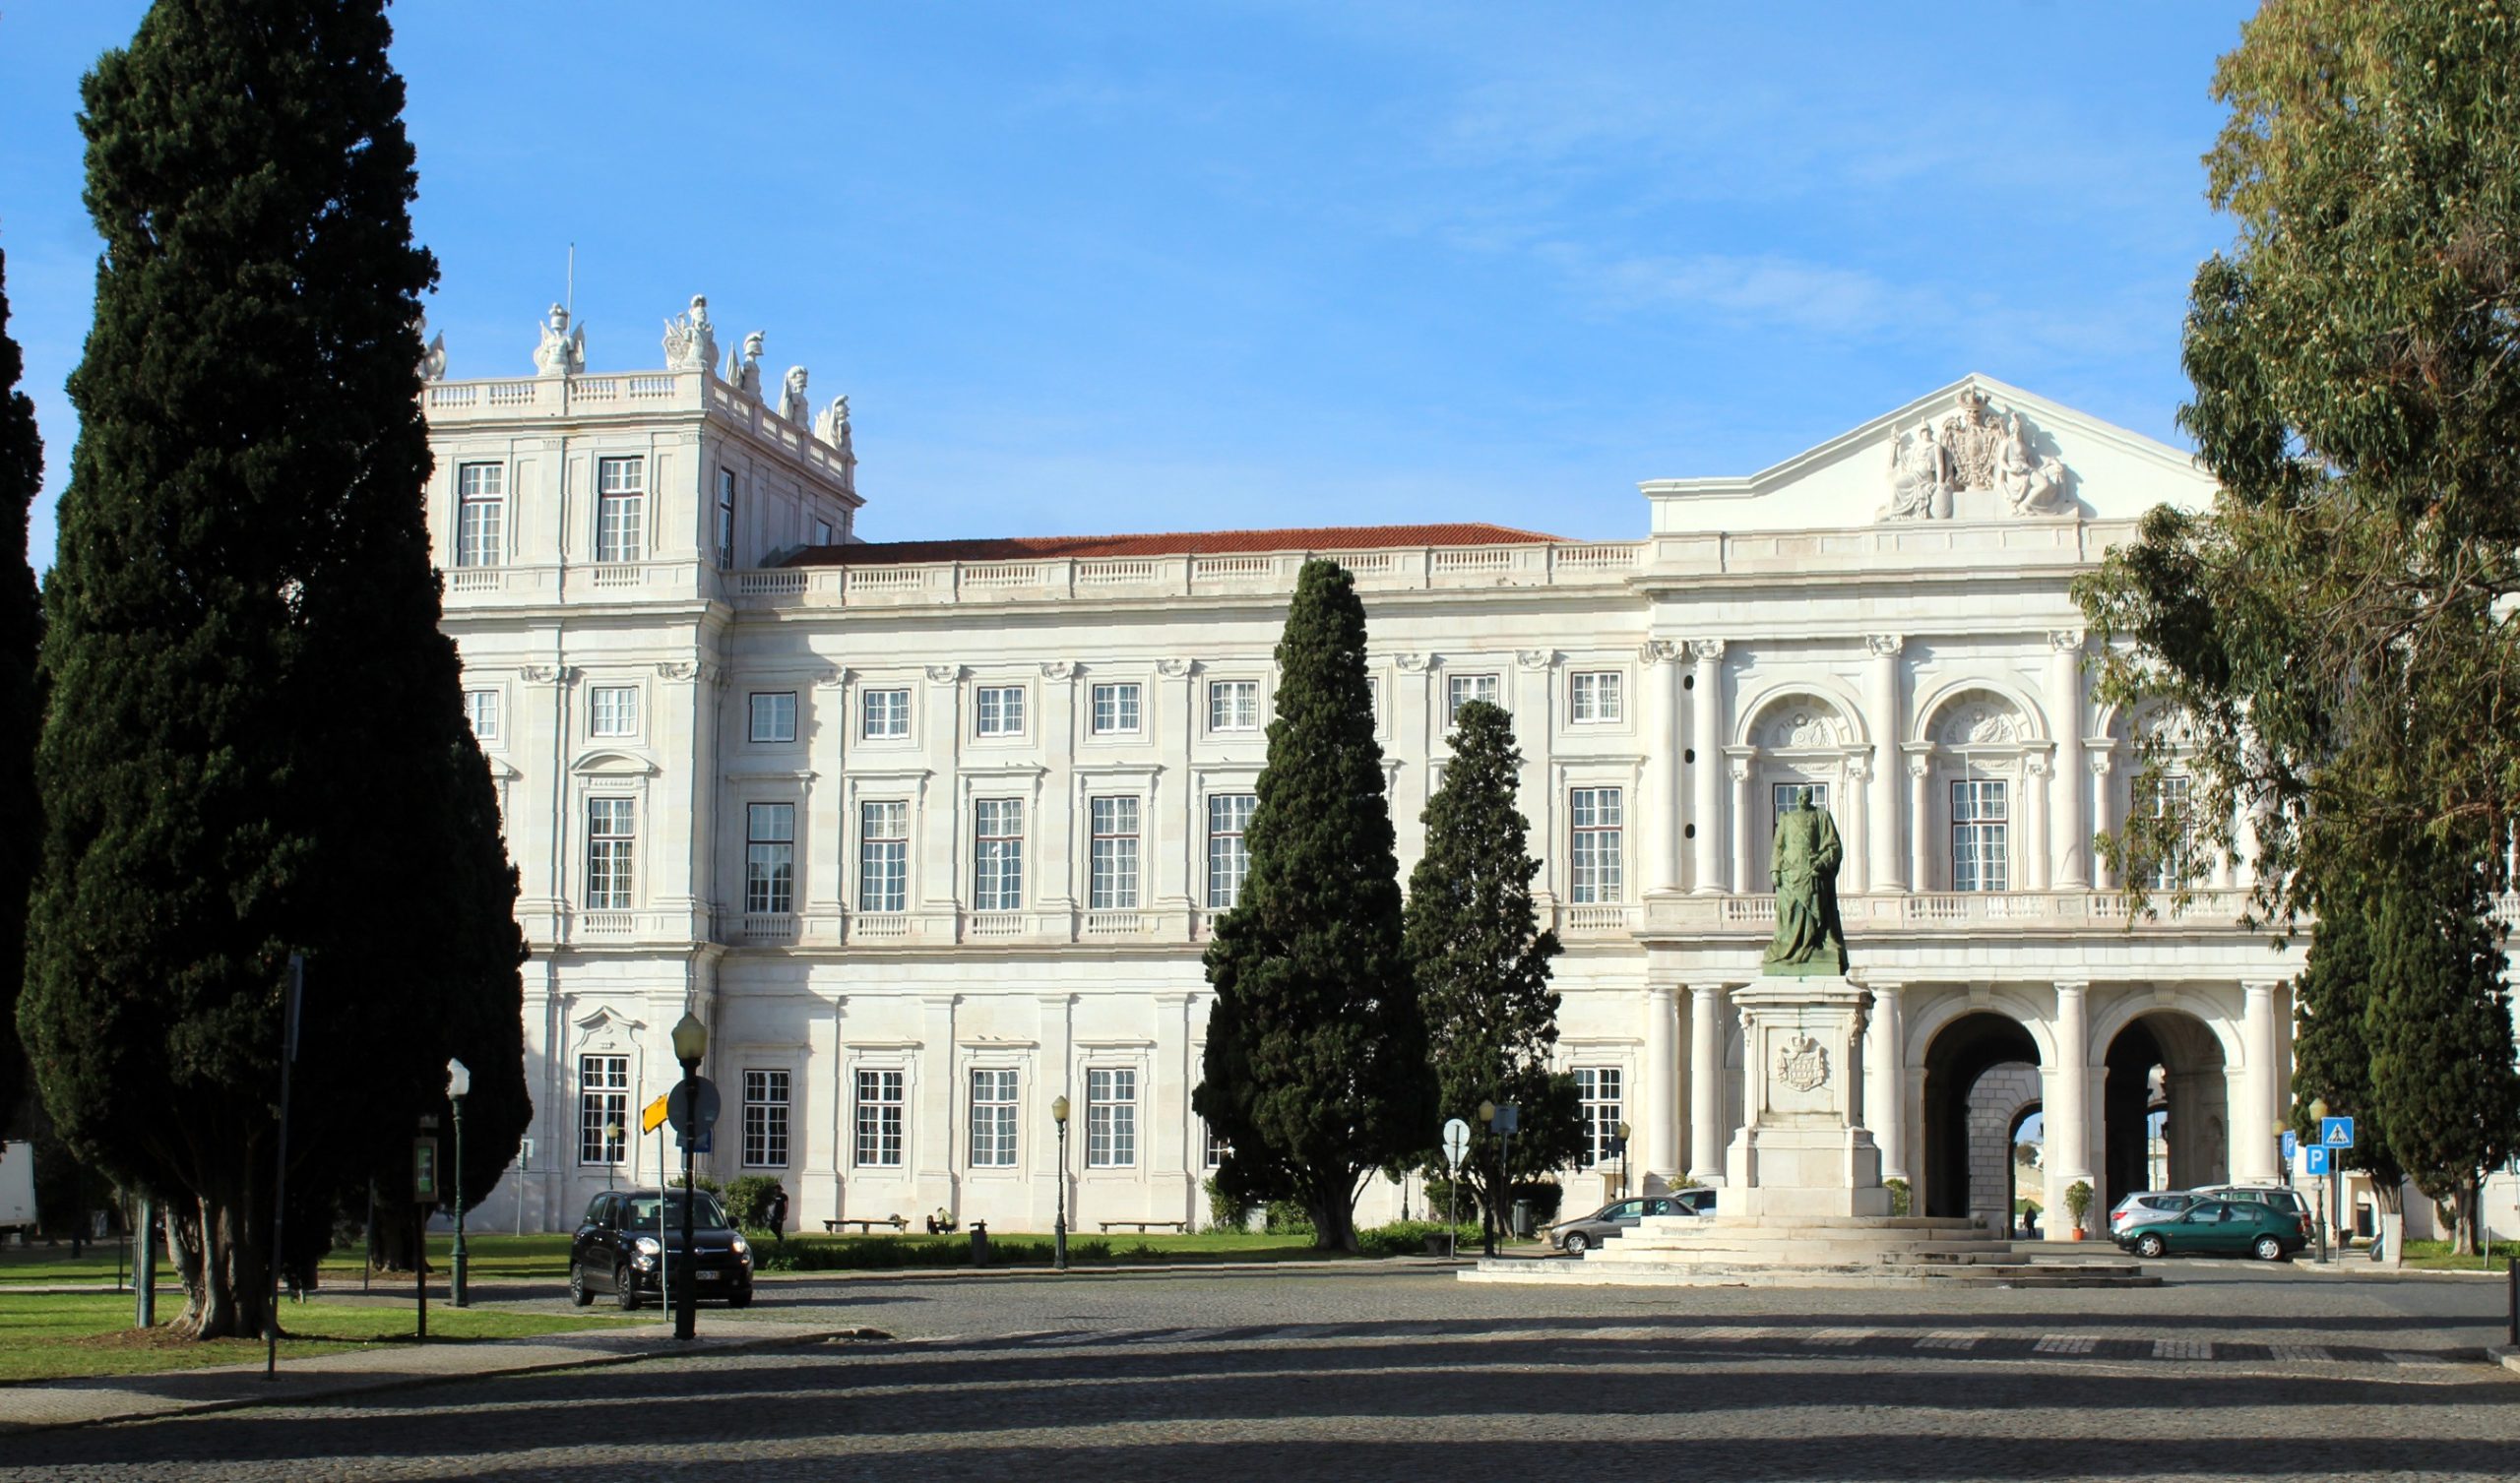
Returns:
point(1803, 1149)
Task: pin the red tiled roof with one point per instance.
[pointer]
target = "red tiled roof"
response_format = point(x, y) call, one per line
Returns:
point(1179, 543)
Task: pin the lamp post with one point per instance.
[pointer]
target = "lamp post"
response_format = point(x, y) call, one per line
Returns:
point(612, 1140)
point(1493, 1215)
point(1622, 1159)
point(2318, 1115)
point(459, 1084)
point(690, 1044)
point(1058, 1231)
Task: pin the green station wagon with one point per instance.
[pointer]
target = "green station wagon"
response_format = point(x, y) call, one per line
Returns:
point(2221, 1228)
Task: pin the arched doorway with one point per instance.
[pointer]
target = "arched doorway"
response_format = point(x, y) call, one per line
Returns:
point(1968, 1137)
point(2164, 1106)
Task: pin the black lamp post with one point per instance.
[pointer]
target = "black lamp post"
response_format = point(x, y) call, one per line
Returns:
point(1058, 1231)
point(1622, 1159)
point(459, 1084)
point(690, 1044)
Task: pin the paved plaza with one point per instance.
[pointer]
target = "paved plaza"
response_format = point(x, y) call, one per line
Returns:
point(2230, 1371)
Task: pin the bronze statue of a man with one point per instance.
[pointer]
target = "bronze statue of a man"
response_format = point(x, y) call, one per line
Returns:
point(1808, 941)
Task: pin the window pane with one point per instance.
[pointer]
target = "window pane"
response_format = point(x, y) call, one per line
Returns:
point(992, 1119)
point(603, 1109)
point(1228, 855)
point(997, 855)
point(1595, 834)
point(877, 1142)
point(613, 711)
point(1113, 855)
point(1115, 708)
point(773, 715)
point(883, 857)
point(1112, 1119)
point(770, 858)
point(887, 713)
point(1599, 1089)
point(481, 708)
point(765, 1119)
point(610, 843)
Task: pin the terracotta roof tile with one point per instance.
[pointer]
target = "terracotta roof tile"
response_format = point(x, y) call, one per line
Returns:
point(1179, 543)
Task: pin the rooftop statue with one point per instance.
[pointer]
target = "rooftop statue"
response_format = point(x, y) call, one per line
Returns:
point(563, 350)
point(833, 428)
point(433, 353)
point(743, 372)
point(691, 341)
point(1809, 942)
point(793, 404)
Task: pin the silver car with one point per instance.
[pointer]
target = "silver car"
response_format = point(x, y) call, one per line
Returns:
point(1578, 1236)
point(2151, 1205)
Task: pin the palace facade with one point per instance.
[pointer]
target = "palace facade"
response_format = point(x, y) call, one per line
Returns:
point(932, 833)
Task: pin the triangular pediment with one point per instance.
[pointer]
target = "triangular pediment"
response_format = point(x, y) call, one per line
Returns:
point(2062, 466)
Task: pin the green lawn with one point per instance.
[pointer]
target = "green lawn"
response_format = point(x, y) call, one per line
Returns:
point(58, 1335)
point(2434, 1256)
point(488, 1255)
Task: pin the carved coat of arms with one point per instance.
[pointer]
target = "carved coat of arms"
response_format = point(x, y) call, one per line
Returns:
point(1802, 1063)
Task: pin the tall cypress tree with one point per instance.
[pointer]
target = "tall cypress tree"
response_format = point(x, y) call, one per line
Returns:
point(20, 626)
point(2331, 1032)
point(254, 743)
point(1482, 963)
point(1316, 1067)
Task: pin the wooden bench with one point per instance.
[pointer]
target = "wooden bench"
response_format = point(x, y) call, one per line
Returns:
point(1142, 1226)
point(869, 1226)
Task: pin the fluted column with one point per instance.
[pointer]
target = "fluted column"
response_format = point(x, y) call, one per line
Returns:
point(1706, 739)
point(2251, 1122)
point(2071, 845)
point(1660, 1128)
point(1707, 1129)
point(1882, 698)
point(1885, 1078)
point(1660, 658)
point(2064, 1098)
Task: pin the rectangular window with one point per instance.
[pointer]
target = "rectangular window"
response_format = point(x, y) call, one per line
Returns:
point(1116, 709)
point(2169, 801)
point(611, 837)
point(613, 711)
point(1110, 1119)
point(1114, 854)
point(480, 514)
point(773, 715)
point(603, 1109)
point(1228, 856)
point(1980, 860)
point(884, 714)
point(997, 855)
point(1215, 1149)
point(1596, 823)
point(1593, 697)
point(1782, 796)
point(1462, 688)
point(878, 1120)
point(992, 1119)
point(999, 711)
point(822, 532)
point(765, 1119)
point(620, 509)
point(481, 708)
point(725, 517)
point(1596, 1088)
point(1233, 705)
point(883, 857)
point(770, 858)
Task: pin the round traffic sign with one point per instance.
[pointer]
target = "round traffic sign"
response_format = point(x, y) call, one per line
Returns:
point(1456, 1141)
point(689, 1112)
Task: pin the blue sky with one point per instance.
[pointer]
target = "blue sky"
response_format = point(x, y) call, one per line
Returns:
point(1092, 268)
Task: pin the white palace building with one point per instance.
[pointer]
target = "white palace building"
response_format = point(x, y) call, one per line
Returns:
point(931, 833)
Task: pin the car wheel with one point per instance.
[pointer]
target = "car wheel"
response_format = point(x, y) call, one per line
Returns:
point(579, 1296)
point(2268, 1249)
point(625, 1286)
point(1577, 1243)
point(2149, 1246)
point(740, 1298)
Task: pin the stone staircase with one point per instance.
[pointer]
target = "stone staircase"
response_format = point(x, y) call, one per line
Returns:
point(1815, 1251)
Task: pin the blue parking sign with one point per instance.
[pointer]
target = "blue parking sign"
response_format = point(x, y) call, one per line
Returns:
point(2337, 1132)
point(2315, 1162)
point(2292, 1144)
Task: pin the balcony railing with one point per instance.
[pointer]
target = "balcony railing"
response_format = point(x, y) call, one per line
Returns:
point(2078, 910)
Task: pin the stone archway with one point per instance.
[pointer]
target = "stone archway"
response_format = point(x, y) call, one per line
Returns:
point(2164, 1066)
point(1960, 1138)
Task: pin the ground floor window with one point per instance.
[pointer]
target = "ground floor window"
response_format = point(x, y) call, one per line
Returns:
point(603, 1109)
point(1599, 1089)
point(1110, 1119)
point(879, 1119)
point(992, 1119)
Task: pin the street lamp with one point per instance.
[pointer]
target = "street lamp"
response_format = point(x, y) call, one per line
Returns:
point(1622, 1158)
point(690, 1044)
point(1493, 1216)
point(2318, 1116)
point(1058, 1231)
point(611, 1140)
point(459, 1084)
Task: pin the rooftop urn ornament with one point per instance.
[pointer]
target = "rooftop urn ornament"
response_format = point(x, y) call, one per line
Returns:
point(691, 341)
point(743, 368)
point(793, 404)
point(563, 350)
point(1809, 942)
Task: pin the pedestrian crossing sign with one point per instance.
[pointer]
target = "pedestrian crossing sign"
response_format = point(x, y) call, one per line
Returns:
point(2337, 1132)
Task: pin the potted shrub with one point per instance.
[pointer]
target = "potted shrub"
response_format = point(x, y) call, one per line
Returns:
point(2078, 1203)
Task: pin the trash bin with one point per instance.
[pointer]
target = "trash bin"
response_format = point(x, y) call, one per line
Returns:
point(979, 1243)
point(1523, 1218)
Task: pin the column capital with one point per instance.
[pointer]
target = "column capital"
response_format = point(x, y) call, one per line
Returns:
point(1707, 650)
point(1658, 650)
point(2072, 986)
point(1885, 645)
point(1661, 990)
point(2256, 988)
point(2066, 641)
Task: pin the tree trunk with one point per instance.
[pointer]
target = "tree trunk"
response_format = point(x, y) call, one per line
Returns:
point(233, 1295)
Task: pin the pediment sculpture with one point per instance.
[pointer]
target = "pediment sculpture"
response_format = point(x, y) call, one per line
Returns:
point(1975, 448)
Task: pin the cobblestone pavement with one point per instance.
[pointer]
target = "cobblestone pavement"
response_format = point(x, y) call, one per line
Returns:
point(2229, 1372)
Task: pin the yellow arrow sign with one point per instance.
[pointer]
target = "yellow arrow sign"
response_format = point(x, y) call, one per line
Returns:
point(651, 1116)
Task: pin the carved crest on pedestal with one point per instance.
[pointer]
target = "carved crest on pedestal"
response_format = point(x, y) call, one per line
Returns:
point(1802, 1062)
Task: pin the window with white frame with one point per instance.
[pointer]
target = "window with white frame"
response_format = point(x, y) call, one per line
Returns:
point(612, 711)
point(2169, 796)
point(997, 855)
point(725, 517)
point(1233, 705)
point(481, 709)
point(993, 1118)
point(998, 710)
point(620, 509)
point(1228, 853)
point(1782, 796)
point(612, 835)
point(1593, 697)
point(1596, 826)
point(1373, 698)
point(877, 1118)
point(884, 714)
point(1112, 856)
point(1598, 1090)
point(1979, 858)
point(1462, 688)
point(1110, 1118)
point(773, 715)
point(603, 1109)
point(480, 514)
point(770, 858)
point(1115, 708)
point(765, 1119)
point(883, 855)
point(1214, 1148)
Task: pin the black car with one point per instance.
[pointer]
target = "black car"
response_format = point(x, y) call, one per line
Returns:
point(630, 1238)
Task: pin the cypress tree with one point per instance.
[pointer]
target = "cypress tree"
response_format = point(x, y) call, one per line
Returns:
point(2445, 1090)
point(1315, 1069)
point(254, 743)
point(21, 629)
point(1482, 964)
point(2331, 1034)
